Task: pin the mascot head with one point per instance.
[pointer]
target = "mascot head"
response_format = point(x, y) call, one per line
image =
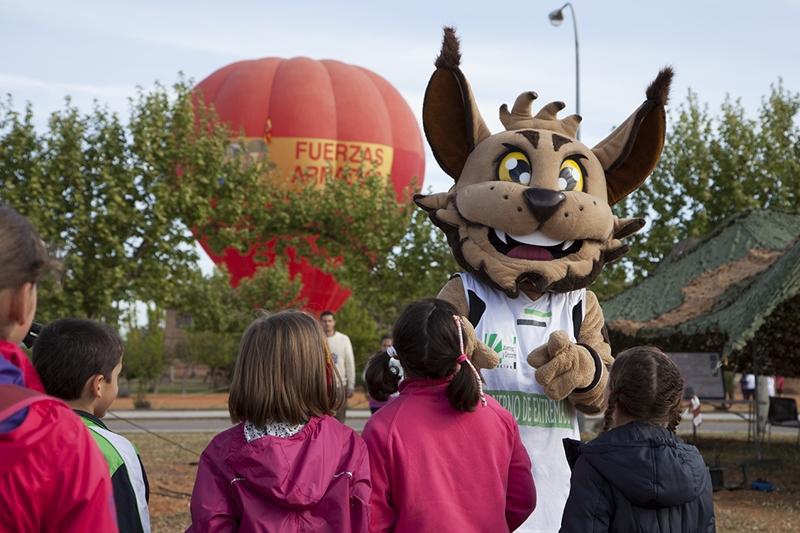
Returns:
point(531, 206)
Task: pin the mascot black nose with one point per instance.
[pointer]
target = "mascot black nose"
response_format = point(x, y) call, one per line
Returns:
point(543, 202)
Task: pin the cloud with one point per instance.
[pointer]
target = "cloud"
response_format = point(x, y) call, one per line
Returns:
point(12, 83)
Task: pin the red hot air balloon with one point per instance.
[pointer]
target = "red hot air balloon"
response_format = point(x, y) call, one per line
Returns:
point(314, 118)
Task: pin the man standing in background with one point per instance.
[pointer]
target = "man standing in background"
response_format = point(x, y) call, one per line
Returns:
point(343, 358)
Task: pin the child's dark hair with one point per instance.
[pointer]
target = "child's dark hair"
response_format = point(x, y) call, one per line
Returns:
point(426, 339)
point(70, 351)
point(646, 385)
point(22, 252)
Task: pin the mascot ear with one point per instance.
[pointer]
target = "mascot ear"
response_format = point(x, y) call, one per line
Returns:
point(450, 117)
point(630, 153)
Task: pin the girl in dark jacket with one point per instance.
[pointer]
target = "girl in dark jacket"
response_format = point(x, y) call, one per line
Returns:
point(638, 475)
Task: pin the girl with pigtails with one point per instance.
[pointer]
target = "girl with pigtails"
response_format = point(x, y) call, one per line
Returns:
point(638, 475)
point(443, 455)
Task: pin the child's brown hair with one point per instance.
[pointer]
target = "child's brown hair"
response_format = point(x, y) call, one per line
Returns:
point(284, 372)
point(22, 252)
point(646, 385)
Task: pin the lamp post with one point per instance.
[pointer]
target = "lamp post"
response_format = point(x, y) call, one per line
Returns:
point(556, 18)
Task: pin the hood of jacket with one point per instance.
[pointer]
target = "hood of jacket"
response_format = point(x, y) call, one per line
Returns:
point(294, 472)
point(648, 464)
point(26, 428)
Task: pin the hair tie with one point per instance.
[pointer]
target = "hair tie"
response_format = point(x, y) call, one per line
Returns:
point(391, 352)
point(463, 358)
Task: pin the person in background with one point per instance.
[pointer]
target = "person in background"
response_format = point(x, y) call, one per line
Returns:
point(79, 362)
point(52, 476)
point(728, 372)
point(287, 465)
point(748, 383)
point(342, 351)
point(374, 405)
point(443, 455)
point(638, 475)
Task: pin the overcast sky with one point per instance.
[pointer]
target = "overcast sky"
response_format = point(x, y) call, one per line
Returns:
point(103, 49)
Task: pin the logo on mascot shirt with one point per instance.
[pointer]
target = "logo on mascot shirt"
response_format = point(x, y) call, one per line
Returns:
point(534, 317)
point(507, 352)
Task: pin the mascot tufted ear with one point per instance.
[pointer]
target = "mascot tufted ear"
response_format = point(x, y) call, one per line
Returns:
point(630, 153)
point(450, 117)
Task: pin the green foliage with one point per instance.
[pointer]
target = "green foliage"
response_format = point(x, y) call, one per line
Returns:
point(712, 167)
point(114, 201)
point(416, 267)
point(217, 350)
point(220, 313)
point(144, 357)
point(270, 289)
point(355, 321)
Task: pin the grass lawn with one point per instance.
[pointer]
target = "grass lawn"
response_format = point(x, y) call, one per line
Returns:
point(171, 472)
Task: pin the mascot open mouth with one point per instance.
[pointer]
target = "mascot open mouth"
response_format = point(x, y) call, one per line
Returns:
point(534, 246)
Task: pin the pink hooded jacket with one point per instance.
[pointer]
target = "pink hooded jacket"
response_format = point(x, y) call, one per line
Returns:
point(52, 475)
point(438, 469)
point(316, 480)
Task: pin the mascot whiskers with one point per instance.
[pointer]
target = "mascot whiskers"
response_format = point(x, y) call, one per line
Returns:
point(529, 221)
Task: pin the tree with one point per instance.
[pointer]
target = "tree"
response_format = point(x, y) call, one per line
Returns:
point(221, 313)
point(711, 168)
point(416, 267)
point(144, 359)
point(115, 202)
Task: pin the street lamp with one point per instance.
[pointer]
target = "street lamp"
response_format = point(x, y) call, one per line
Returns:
point(556, 18)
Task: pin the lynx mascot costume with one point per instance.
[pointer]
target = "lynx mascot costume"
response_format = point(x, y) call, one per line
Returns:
point(529, 220)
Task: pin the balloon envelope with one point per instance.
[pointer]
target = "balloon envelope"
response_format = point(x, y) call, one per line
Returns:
point(314, 119)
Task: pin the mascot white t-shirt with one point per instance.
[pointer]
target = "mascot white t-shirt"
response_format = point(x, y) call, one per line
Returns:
point(513, 327)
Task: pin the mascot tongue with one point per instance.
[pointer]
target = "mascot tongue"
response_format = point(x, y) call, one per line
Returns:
point(530, 252)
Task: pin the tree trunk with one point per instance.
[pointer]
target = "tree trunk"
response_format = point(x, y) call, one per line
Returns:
point(762, 404)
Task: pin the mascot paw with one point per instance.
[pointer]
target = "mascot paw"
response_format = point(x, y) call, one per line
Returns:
point(561, 366)
point(481, 355)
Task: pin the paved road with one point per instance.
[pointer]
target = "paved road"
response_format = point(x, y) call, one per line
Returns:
point(216, 421)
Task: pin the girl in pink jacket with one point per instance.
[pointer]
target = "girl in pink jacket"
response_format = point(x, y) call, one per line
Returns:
point(443, 456)
point(287, 465)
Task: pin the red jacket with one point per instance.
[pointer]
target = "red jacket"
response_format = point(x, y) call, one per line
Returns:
point(435, 468)
point(52, 476)
point(14, 355)
point(316, 480)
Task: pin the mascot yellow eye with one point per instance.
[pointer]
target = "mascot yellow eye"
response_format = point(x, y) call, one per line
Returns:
point(570, 177)
point(515, 166)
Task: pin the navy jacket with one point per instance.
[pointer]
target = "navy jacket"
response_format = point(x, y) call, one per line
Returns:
point(637, 477)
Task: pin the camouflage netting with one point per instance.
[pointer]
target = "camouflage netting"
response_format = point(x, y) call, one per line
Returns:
point(733, 292)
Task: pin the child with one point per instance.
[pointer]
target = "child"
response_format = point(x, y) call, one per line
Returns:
point(287, 465)
point(80, 361)
point(52, 476)
point(374, 403)
point(24, 261)
point(638, 475)
point(443, 457)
